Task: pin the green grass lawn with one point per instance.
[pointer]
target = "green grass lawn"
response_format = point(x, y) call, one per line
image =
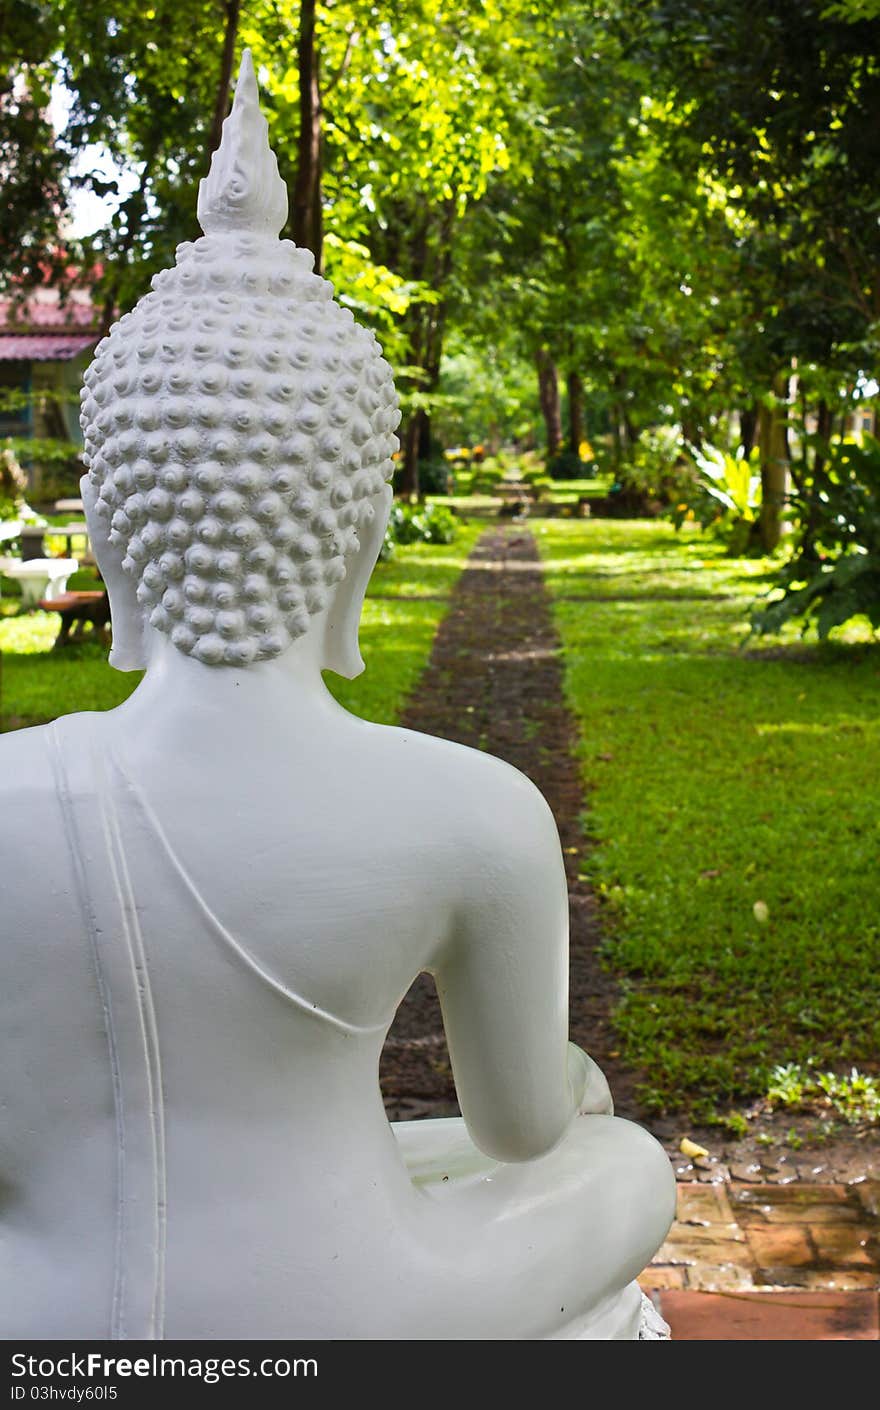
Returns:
point(406, 601)
point(570, 491)
point(733, 804)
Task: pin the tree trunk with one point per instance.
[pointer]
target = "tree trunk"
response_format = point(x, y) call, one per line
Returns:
point(690, 432)
point(409, 476)
point(417, 241)
point(813, 484)
point(823, 432)
point(616, 446)
point(575, 411)
point(221, 102)
point(748, 426)
point(308, 221)
point(773, 443)
point(435, 324)
point(415, 255)
point(548, 396)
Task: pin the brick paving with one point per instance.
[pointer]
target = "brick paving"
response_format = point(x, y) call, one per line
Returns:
point(746, 1262)
point(750, 1237)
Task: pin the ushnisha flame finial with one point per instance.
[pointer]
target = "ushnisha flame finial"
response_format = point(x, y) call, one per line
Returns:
point(243, 190)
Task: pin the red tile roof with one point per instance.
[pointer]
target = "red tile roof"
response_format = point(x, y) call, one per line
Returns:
point(42, 310)
point(43, 347)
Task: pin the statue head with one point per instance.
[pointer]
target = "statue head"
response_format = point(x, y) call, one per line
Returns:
point(238, 432)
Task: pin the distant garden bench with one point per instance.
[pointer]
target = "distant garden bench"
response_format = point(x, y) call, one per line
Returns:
point(79, 610)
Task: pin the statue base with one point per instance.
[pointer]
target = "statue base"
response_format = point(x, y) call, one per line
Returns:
point(652, 1326)
point(631, 1316)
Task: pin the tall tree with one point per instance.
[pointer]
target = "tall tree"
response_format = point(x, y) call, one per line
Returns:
point(33, 167)
point(308, 225)
point(784, 102)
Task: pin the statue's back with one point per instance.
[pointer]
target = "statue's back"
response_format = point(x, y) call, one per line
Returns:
point(213, 1000)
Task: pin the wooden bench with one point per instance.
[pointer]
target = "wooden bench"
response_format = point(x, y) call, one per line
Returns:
point(77, 611)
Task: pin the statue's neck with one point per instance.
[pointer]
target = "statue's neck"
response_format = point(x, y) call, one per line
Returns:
point(184, 707)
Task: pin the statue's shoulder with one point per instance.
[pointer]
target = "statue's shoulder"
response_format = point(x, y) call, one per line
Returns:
point(25, 759)
point(29, 757)
point(465, 781)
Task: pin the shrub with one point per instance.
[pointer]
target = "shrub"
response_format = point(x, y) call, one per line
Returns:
point(834, 573)
point(567, 465)
point(14, 508)
point(418, 523)
point(486, 479)
point(12, 484)
point(854, 1095)
point(658, 469)
point(435, 477)
point(724, 495)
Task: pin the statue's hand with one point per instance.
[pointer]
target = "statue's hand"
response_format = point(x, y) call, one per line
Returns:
point(591, 1094)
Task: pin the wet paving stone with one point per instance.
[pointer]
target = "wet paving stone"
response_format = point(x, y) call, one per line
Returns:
point(795, 1204)
point(802, 1316)
point(763, 1236)
point(785, 1245)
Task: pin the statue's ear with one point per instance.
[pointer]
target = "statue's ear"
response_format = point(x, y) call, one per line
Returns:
point(341, 648)
point(128, 652)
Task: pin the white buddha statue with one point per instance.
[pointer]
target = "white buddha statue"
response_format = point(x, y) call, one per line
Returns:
point(215, 896)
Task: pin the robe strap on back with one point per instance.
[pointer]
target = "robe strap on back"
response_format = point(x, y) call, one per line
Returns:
point(106, 898)
point(225, 936)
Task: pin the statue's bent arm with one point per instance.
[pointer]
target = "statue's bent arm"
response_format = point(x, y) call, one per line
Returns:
point(503, 985)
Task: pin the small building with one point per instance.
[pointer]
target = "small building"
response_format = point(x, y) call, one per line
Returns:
point(46, 340)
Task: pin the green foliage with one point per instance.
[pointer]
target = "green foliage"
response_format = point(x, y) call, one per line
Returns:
point(542, 486)
point(657, 464)
point(487, 390)
point(567, 465)
point(435, 477)
point(775, 107)
point(835, 575)
point(854, 1096)
point(718, 778)
point(725, 495)
point(13, 483)
point(46, 448)
point(418, 523)
point(852, 10)
point(655, 473)
point(672, 200)
point(33, 163)
point(487, 478)
point(375, 294)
